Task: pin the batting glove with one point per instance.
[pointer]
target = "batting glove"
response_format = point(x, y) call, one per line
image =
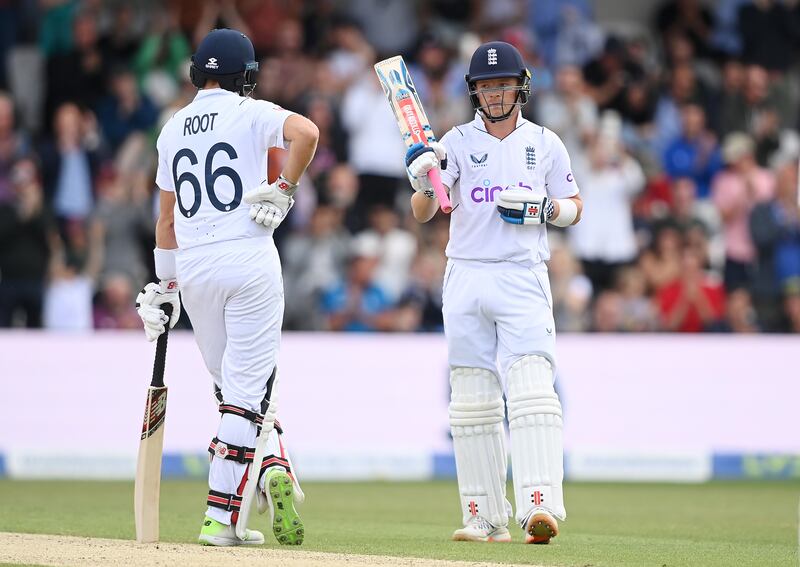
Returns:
point(148, 305)
point(520, 206)
point(420, 159)
point(270, 202)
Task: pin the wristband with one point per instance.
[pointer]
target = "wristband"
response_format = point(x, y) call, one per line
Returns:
point(567, 213)
point(165, 264)
point(285, 186)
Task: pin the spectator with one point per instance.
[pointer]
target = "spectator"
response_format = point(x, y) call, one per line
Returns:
point(123, 220)
point(775, 230)
point(69, 163)
point(740, 317)
point(77, 261)
point(661, 263)
point(78, 75)
point(420, 306)
point(638, 313)
point(396, 248)
point(434, 77)
point(571, 290)
point(313, 261)
point(293, 68)
point(125, 110)
point(689, 17)
point(357, 303)
point(792, 309)
point(769, 32)
point(610, 179)
point(390, 25)
point(115, 308)
point(695, 301)
point(569, 111)
point(375, 148)
point(26, 237)
point(13, 146)
point(683, 89)
point(332, 145)
point(735, 191)
point(580, 39)
point(546, 18)
point(607, 312)
point(695, 153)
point(686, 211)
point(730, 107)
point(160, 62)
point(350, 55)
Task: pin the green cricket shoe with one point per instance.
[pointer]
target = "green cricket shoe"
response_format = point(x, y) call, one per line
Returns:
point(286, 523)
point(221, 535)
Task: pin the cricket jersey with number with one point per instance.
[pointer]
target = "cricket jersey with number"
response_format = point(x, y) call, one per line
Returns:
point(479, 167)
point(210, 153)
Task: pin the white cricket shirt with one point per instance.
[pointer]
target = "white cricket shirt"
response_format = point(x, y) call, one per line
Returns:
point(479, 166)
point(210, 153)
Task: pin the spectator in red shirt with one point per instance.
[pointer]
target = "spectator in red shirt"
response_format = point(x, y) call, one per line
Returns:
point(695, 301)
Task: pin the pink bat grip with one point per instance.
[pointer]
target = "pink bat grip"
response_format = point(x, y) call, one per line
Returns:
point(438, 189)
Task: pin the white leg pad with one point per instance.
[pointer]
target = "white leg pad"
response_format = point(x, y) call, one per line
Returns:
point(476, 422)
point(537, 447)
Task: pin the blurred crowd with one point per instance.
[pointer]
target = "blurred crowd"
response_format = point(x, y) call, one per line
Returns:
point(683, 134)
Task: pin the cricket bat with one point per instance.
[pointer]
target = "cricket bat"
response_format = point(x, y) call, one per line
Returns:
point(148, 467)
point(414, 125)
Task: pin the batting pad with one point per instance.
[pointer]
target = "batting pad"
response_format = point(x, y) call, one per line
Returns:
point(537, 447)
point(476, 422)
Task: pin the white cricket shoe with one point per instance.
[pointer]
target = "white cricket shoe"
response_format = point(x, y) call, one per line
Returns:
point(479, 529)
point(540, 527)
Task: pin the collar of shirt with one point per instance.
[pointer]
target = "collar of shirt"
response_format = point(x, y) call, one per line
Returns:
point(481, 125)
point(202, 93)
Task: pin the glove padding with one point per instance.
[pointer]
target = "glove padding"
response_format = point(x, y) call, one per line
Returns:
point(270, 203)
point(148, 305)
point(520, 206)
point(420, 159)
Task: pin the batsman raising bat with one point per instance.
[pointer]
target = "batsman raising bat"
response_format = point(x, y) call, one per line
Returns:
point(214, 243)
point(507, 178)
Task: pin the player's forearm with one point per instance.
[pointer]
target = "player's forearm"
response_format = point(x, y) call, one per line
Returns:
point(165, 233)
point(304, 138)
point(423, 207)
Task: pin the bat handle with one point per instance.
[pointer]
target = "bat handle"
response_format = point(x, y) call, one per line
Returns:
point(438, 189)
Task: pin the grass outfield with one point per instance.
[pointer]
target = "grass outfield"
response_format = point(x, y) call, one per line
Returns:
point(716, 524)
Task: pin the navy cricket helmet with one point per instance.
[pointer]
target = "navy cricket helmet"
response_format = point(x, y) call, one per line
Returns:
point(495, 60)
point(226, 56)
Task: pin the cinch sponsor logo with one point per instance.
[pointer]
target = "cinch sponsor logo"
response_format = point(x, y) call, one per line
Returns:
point(487, 192)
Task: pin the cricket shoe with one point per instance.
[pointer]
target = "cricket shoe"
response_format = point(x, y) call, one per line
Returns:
point(286, 523)
point(540, 527)
point(478, 529)
point(221, 535)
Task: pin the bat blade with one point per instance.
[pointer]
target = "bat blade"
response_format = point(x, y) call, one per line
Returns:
point(148, 466)
point(410, 115)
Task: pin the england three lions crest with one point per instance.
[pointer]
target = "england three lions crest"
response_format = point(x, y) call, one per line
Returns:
point(530, 157)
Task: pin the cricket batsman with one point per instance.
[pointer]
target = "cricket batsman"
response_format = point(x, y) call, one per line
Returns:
point(214, 244)
point(507, 178)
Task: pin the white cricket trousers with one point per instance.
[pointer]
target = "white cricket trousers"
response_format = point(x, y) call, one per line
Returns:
point(495, 313)
point(233, 294)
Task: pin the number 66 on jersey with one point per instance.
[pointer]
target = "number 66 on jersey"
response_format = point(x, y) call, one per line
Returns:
point(411, 118)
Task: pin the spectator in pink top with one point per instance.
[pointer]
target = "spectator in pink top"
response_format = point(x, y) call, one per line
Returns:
point(735, 191)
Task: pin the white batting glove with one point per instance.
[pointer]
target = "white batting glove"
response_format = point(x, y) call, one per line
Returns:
point(270, 202)
point(420, 159)
point(148, 305)
point(520, 206)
